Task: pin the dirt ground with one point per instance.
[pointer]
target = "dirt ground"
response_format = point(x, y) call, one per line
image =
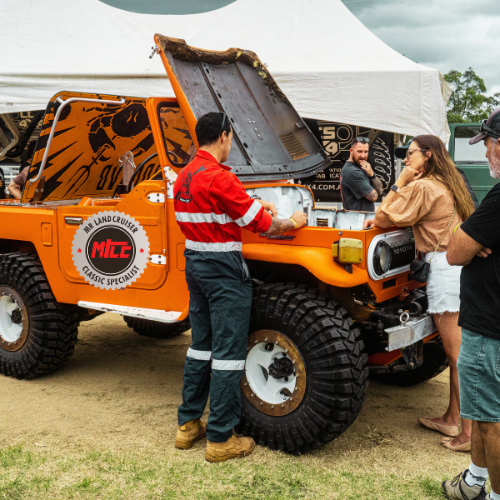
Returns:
point(120, 391)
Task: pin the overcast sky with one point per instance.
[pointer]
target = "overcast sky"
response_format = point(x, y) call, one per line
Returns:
point(442, 34)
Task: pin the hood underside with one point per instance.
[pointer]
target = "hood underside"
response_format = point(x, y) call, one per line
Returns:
point(270, 140)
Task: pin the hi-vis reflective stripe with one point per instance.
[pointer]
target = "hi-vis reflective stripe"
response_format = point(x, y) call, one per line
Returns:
point(219, 218)
point(229, 246)
point(200, 355)
point(200, 218)
point(221, 364)
point(250, 215)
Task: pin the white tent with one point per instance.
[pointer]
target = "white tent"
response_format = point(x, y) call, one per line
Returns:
point(329, 65)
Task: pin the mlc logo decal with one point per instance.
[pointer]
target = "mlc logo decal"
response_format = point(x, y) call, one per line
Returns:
point(110, 250)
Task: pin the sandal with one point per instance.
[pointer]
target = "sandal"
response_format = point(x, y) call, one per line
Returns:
point(446, 442)
point(447, 430)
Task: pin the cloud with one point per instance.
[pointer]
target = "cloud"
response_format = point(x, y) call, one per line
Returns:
point(453, 34)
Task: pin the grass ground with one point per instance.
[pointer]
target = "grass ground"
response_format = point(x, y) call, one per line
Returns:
point(103, 428)
point(99, 474)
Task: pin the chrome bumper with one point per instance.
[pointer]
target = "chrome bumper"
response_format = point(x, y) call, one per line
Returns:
point(410, 332)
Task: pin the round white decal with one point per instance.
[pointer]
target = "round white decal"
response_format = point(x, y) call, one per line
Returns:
point(110, 250)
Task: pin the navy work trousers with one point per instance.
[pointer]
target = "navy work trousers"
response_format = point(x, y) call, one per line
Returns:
point(219, 311)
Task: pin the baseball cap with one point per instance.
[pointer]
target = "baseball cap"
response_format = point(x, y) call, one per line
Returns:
point(489, 127)
point(400, 152)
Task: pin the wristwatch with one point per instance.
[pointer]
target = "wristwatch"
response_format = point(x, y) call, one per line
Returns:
point(372, 177)
point(395, 188)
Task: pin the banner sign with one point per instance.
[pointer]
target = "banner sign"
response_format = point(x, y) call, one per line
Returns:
point(337, 138)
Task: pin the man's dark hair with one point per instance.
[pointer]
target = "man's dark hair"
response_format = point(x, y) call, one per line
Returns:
point(362, 140)
point(210, 127)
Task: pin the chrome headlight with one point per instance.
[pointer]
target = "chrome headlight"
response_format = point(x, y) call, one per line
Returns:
point(382, 258)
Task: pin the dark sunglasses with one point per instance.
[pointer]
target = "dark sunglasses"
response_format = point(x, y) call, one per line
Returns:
point(223, 121)
point(487, 130)
point(364, 140)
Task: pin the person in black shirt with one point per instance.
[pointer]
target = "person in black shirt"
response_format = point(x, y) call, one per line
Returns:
point(476, 246)
point(359, 185)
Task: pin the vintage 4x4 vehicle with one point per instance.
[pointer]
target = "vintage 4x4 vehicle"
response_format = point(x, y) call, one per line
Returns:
point(92, 233)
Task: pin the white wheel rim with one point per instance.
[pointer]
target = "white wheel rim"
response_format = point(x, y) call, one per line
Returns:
point(9, 330)
point(270, 390)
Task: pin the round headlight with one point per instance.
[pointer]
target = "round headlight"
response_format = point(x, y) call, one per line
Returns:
point(382, 258)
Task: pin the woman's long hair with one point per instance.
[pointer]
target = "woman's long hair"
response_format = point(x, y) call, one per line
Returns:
point(440, 166)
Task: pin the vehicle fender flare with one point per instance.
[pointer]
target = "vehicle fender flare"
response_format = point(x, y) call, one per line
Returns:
point(317, 260)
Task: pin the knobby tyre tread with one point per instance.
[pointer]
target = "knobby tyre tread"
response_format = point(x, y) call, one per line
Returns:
point(336, 368)
point(155, 329)
point(53, 327)
point(435, 362)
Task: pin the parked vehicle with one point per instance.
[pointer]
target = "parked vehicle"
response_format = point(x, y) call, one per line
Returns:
point(471, 159)
point(93, 234)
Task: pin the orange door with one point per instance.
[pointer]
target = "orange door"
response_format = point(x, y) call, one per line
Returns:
point(116, 243)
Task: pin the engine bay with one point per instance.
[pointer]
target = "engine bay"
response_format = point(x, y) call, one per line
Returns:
point(290, 198)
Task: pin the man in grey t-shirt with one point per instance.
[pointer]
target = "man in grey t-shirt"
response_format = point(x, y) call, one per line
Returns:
point(359, 185)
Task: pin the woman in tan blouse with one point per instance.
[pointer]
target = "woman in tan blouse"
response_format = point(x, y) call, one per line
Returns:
point(432, 198)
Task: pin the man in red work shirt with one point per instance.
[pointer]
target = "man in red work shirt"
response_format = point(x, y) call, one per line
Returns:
point(211, 207)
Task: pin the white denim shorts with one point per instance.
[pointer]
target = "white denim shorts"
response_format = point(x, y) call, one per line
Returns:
point(443, 285)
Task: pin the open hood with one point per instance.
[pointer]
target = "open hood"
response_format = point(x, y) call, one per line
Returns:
point(271, 141)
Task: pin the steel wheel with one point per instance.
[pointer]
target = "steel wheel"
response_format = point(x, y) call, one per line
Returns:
point(37, 333)
point(14, 322)
point(275, 375)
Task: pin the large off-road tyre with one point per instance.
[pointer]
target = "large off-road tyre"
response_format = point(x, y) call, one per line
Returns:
point(156, 329)
point(306, 374)
point(435, 362)
point(37, 333)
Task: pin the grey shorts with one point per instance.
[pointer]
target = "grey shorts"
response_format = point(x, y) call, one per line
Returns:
point(479, 377)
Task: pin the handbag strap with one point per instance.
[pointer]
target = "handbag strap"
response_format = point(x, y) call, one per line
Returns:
point(444, 234)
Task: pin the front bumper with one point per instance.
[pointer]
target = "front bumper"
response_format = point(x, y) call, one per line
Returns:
point(410, 332)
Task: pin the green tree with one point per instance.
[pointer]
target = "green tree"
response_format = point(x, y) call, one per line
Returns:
point(469, 102)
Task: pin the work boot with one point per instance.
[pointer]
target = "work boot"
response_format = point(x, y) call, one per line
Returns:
point(189, 433)
point(233, 448)
point(458, 489)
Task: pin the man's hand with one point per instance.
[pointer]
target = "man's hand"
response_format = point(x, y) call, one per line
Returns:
point(484, 252)
point(280, 226)
point(366, 167)
point(374, 181)
point(300, 219)
point(269, 207)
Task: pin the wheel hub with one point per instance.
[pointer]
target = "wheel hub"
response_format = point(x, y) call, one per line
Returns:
point(13, 320)
point(281, 367)
point(275, 377)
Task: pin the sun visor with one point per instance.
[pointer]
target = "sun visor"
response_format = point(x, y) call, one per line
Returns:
point(270, 141)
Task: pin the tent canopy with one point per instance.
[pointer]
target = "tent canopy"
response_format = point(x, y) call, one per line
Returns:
point(327, 62)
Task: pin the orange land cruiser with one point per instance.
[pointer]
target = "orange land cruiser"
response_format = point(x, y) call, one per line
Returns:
point(95, 231)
